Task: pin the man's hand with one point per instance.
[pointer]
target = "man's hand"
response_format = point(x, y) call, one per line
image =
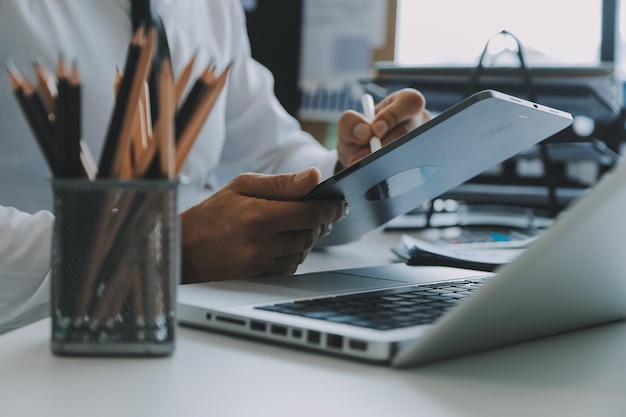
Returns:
point(255, 226)
point(399, 113)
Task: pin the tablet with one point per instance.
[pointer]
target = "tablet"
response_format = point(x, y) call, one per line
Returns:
point(467, 139)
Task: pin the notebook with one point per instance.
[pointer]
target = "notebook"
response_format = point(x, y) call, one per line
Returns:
point(571, 277)
point(469, 138)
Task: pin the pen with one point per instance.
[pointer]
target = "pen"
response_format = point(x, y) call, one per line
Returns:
point(370, 113)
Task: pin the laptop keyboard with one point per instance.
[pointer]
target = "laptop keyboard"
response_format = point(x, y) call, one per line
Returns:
point(387, 309)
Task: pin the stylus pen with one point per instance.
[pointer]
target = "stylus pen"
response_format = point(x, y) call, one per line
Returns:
point(369, 111)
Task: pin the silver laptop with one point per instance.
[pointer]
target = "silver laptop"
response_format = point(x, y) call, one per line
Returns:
point(571, 277)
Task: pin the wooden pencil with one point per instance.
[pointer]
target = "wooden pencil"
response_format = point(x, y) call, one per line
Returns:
point(74, 122)
point(145, 160)
point(140, 127)
point(187, 138)
point(144, 64)
point(117, 210)
point(112, 135)
point(128, 165)
point(192, 101)
point(90, 168)
point(138, 297)
point(165, 125)
point(61, 126)
point(183, 79)
point(47, 84)
point(148, 120)
point(124, 106)
point(34, 112)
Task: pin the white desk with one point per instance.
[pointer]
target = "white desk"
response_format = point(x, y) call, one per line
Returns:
point(578, 374)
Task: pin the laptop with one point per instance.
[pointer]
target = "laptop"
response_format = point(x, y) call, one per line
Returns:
point(571, 277)
point(404, 315)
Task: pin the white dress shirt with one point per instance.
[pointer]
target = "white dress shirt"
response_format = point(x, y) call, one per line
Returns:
point(24, 262)
point(247, 131)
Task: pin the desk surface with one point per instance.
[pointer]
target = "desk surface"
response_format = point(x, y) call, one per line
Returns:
point(576, 374)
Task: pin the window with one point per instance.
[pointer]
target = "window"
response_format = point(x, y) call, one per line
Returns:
point(454, 32)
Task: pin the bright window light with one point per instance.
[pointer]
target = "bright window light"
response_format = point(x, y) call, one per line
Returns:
point(454, 32)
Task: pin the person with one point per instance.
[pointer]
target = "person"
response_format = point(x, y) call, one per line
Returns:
point(24, 262)
point(240, 186)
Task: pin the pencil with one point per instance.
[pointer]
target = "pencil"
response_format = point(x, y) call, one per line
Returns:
point(192, 101)
point(187, 138)
point(115, 292)
point(74, 130)
point(140, 126)
point(90, 168)
point(165, 125)
point(183, 79)
point(128, 163)
point(138, 297)
point(117, 211)
point(151, 275)
point(124, 84)
point(35, 113)
point(61, 142)
point(136, 87)
point(148, 108)
point(47, 86)
point(116, 144)
point(149, 147)
point(119, 247)
point(145, 160)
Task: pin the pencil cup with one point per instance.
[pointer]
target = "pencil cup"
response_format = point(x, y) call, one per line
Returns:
point(115, 267)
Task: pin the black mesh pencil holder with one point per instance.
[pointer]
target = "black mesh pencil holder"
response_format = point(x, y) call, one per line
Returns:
point(115, 267)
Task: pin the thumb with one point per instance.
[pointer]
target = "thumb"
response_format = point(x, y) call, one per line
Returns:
point(280, 187)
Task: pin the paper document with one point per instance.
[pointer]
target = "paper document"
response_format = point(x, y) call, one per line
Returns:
point(478, 255)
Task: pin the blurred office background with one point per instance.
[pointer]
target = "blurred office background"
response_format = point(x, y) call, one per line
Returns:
point(326, 53)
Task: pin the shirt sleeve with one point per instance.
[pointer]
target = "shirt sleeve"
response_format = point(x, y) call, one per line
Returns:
point(260, 135)
point(25, 241)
